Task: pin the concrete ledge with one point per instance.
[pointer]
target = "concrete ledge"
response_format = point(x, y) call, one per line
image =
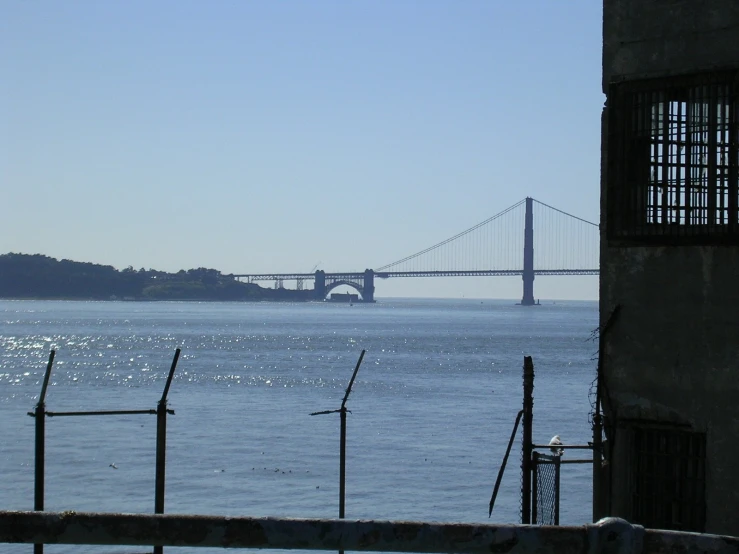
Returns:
point(607, 536)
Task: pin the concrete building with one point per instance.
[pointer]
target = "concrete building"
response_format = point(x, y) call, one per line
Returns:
point(669, 296)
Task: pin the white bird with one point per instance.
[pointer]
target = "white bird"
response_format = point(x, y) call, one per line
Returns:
point(556, 441)
point(113, 466)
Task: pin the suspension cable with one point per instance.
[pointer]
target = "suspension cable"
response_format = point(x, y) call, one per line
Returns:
point(565, 213)
point(458, 235)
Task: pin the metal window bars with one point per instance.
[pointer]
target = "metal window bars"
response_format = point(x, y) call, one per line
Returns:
point(668, 477)
point(673, 158)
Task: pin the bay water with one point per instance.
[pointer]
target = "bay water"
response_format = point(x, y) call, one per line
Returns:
point(432, 408)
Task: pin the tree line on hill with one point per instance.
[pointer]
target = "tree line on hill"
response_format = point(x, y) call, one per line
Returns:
point(42, 277)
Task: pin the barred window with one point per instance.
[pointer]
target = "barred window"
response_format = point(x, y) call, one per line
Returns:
point(668, 478)
point(673, 152)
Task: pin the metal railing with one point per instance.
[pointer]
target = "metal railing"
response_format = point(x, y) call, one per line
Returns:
point(545, 476)
point(40, 413)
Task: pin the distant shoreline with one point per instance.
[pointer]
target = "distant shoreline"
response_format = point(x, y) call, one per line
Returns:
point(215, 300)
point(39, 277)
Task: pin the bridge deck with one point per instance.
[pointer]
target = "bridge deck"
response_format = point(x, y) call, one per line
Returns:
point(395, 274)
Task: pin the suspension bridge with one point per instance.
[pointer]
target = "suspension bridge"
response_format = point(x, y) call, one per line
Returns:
point(502, 245)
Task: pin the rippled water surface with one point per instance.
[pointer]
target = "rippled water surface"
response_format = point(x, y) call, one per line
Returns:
point(431, 410)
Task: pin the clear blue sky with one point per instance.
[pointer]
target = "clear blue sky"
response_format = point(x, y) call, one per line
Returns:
point(258, 136)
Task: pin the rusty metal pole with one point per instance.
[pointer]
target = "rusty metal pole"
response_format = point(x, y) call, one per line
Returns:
point(597, 463)
point(40, 447)
point(161, 456)
point(528, 420)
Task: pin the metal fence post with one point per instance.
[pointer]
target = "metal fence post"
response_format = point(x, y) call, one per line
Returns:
point(342, 442)
point(161, 455)
point(40, 447)
point(557, 465)
point(503, 465)
point(528, 420)
point(342, 464)
point(597, 464)
point(534, 487)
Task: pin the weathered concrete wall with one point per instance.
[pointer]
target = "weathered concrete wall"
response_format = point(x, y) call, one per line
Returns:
point(673, 353)
point(645, 38)
point(673, 356)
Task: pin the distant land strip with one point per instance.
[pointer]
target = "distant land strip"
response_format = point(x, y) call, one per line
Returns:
point(35, 276)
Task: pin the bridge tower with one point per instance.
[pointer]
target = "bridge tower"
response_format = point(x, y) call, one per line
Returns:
point(528, 255)
point(368, 291)
point(319, 288)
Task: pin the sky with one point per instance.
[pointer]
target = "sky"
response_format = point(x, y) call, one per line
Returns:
point(274, 136)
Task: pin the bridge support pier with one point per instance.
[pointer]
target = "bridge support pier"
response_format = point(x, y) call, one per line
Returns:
point(528, 255)
point(368, 294)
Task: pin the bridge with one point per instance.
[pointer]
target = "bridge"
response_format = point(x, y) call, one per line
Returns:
point(502, 245)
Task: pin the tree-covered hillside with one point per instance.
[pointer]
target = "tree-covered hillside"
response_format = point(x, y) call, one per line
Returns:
point(43, 277)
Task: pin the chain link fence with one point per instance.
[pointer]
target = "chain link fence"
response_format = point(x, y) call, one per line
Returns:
point(545, 489)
